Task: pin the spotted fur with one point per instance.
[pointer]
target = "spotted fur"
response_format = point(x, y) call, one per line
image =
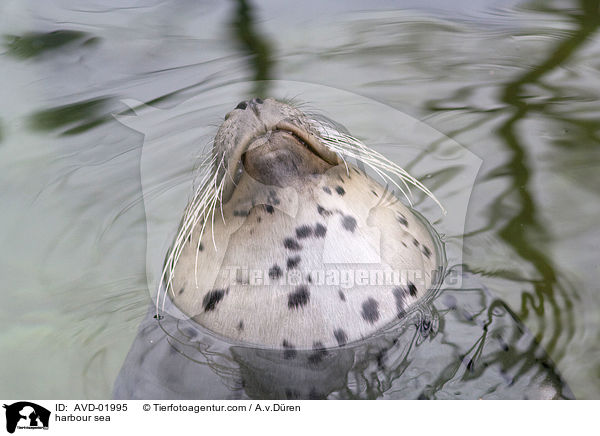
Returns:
point(335, 221)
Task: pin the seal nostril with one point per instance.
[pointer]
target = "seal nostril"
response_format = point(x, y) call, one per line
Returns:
point(258, 100)
point(242, 105)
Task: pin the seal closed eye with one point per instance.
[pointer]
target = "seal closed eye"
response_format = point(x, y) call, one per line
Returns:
point(287, 245)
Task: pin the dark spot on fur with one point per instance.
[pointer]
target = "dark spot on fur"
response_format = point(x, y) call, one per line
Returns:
point(299, 297)
point(269, 208)
point(275, 272)
point(240, 213)
point(412, 289)
point(272, 198)
point(181, 291)
point(240, 326)
point(303, 232)
point(404, 243)
point(327, 190)
point(291, 244)
point(201, 247)
point(309, 278)
point(340, 336)
point(293, 262)
point(402, 220)
point(289, 351)
point(211, 299)
point(426, 251)
point(258, 219)
point(349, 223)
point(375, 194)
point(342, 296)
point(340, 190)
point(370, 310)
point(322, 211)
point(320, 230)
point(356, 171)
point(415, 242)
point(399, 295)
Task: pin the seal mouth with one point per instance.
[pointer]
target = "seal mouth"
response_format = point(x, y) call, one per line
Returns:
point(267, 156)
point(310, 141)
point(280, 158)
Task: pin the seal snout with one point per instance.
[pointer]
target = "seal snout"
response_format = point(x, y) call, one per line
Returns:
point(271, 142)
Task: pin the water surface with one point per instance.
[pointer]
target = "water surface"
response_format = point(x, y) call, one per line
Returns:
point(513, 82)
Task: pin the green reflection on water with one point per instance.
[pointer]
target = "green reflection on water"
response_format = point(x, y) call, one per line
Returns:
point(73, 118)
point(34, 44)
point(257, 47)
point(524, 228)
point(547, 299)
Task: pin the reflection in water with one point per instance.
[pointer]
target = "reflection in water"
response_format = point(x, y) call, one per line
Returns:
point(32, 45)
point(524, 229)
point(461, 344)
point(257, 47)
point(515, 213)
point(74, 118)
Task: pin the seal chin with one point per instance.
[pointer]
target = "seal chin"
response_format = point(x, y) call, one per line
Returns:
point(281, 158)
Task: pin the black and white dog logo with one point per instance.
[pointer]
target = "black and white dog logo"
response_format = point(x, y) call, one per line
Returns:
point(26, 415)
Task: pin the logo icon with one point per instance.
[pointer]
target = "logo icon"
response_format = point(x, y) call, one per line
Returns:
point(26, 415)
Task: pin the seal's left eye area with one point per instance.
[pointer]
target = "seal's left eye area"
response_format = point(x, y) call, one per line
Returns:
point(242, 105)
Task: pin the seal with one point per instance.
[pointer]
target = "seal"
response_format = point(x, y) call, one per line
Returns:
point(286, 245)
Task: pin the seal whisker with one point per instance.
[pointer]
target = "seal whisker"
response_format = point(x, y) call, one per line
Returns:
point(345, 163)
point(374, 167)
point(343, 143)
point(199, 208)
point(366, 154)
